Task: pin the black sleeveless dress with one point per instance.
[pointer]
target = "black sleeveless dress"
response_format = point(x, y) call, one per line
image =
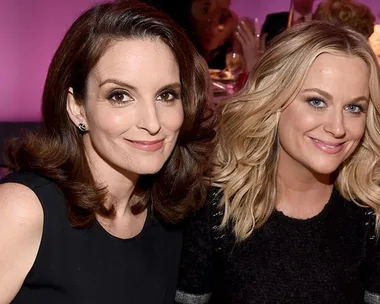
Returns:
point(90, 265)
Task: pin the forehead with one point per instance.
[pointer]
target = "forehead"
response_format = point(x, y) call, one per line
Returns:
point(137, 58)
point(338, 73)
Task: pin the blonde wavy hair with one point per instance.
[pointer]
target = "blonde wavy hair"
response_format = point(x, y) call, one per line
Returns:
point(350, 13)
point(247, 150)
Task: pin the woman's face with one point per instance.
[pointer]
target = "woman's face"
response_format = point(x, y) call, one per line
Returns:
point(133, 111)
point(214, 22)
point(325, 122)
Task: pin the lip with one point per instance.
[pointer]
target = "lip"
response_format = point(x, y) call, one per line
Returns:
point(328, 147)
point(146, 145)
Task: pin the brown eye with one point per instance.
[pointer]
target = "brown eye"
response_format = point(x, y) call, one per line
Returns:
point(119, 97)
point(168, 96)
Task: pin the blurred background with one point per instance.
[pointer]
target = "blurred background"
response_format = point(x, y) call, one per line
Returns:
point(30, 31)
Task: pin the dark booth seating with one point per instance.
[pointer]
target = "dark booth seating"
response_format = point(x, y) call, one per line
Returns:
point(12, 129)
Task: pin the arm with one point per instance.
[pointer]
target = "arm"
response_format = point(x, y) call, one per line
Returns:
point(372, 292)
point(21, 224)
point(196, 269)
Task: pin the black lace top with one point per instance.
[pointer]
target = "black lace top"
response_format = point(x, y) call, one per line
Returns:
point(330, 258)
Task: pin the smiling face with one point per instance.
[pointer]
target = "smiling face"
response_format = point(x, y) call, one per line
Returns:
point(325, 122)
point(133, 111)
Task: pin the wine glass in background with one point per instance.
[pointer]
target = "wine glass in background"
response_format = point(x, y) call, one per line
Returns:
point(234, 63)
point(254, 26)
point(247, 46)
point(260, 38)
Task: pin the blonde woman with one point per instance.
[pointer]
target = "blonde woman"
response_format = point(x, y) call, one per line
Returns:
point(294, 217)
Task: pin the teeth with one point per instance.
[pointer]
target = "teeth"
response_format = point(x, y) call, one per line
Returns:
point(328, 146)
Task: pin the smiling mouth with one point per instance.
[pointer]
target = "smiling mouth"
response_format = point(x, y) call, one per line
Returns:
point(331, 148)
point(146, 145)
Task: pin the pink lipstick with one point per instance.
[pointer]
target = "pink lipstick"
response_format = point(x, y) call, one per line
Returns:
point(331, 148)
point(146, 145)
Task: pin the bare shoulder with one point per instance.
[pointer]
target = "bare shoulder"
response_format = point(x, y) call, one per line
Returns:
point(19, 203)
point(21, 226)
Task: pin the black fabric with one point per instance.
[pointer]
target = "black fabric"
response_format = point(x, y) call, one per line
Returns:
point(330, 258)
point(90, 265)
point(274, 24)
point(217, 59)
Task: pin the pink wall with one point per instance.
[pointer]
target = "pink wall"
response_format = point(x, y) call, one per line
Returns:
point(30, 31)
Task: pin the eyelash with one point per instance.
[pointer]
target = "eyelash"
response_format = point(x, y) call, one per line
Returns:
point(312, 99)
point(112, 95)
point(174, 96)
point(360, 109)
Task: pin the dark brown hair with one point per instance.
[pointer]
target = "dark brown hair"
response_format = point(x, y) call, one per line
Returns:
point(57, 152)
point(349, 13)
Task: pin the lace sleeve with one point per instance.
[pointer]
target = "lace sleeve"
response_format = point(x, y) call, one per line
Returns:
point(372, 293)
point(196, 269)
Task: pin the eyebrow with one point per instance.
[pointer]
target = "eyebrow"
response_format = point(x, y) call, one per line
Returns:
point(117, 82)
point(329, 96)
point(173, 85)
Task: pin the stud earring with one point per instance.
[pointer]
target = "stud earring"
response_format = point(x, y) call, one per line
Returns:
point(82, 127)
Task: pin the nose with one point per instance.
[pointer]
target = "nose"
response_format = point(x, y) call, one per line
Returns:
point(335, 124)
point(148, 118)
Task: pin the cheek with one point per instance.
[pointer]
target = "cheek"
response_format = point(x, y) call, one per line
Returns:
point(173, 119)
point(357, 129)
point(105, 121)
point(296, 120)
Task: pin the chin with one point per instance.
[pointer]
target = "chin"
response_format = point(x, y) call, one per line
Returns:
point(148, 170)
point(324, 169)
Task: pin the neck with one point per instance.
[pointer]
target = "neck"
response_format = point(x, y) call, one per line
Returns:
point(120, 184)
point(303, 193)
point(120, 191)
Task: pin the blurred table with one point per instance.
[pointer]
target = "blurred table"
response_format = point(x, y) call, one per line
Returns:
point(225, 87)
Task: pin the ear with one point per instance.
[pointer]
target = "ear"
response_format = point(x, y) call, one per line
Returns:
point(75, 110)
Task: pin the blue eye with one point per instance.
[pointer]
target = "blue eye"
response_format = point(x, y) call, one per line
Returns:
point(353, 108)
point(316, 102)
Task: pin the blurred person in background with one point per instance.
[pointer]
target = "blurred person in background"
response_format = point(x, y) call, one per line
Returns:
point(349, 13)
point(274, 24)
point(374, 41)
point(214, 29)
point(88, 214)
point(181, 13)
point(224, 31)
